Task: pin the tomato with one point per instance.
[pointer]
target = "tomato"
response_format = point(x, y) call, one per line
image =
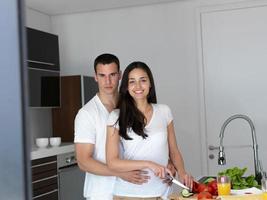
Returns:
point(204, 195)
point(213, 185)
point(195, 187)
point(202, 188)
point(210, 189)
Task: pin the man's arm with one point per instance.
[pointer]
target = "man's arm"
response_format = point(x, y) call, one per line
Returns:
point(86, 162)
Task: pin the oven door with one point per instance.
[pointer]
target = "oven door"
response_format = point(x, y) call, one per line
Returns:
point(71, 181)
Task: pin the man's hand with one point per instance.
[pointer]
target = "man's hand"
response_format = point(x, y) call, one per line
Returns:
point(171, 167)
point(137, 176)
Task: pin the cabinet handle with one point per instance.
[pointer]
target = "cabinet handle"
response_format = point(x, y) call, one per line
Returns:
point(211, 147)
point(43, 179)
point(39, 62)
point(45, 194)
point(42, 164)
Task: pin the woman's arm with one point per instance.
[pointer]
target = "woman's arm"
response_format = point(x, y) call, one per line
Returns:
point(115, 163)
point(176, 156)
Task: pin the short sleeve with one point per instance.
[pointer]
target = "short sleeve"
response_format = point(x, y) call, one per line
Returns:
point(84, 128)
point(168, 113)
point(113, 119)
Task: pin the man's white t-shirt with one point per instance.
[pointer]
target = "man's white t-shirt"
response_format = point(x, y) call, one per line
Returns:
point(90, 127)
point(153, 148)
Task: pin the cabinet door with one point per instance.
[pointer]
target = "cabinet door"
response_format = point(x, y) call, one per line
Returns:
point(44, 88)
point(90, 88)
point(52, 50)
point(35, 49)
point(63, 117)
point(49, 196)
point(43, 51)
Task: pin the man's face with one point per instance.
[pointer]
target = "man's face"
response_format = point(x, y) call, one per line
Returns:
point(107, 76)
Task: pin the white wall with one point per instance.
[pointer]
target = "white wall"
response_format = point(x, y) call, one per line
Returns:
point(40, 120)
point(38, 20)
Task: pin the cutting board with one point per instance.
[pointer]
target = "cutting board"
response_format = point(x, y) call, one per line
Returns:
point(231, 197)
point(179, 197)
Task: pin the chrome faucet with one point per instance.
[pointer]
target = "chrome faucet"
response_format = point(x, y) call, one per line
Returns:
point(221, 158)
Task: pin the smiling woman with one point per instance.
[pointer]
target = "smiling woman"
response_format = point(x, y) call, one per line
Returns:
point(144, 130)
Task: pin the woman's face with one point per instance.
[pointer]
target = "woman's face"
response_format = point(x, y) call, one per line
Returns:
point(138, 84)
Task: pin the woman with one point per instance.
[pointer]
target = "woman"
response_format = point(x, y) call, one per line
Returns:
point(145, 132)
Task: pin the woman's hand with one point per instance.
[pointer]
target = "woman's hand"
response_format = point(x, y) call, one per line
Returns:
point(186, 178)
point(171, 167)
point(159, 170)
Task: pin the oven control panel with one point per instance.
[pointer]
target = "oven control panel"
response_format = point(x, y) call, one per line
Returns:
point(64, 160)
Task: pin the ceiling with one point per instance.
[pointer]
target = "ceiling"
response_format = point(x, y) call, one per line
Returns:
point(58, 7)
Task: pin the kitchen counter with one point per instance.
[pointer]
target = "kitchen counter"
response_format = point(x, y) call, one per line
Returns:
point(228, 197)
point(51, 151)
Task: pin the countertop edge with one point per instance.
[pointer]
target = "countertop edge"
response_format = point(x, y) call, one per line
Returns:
point(51, 151)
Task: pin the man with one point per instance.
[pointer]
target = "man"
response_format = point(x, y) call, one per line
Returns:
point(90, 133)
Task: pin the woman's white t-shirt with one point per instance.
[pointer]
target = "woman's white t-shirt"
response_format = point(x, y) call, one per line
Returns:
point(153, 148)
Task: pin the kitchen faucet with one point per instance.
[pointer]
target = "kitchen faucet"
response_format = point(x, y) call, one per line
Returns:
point(221, 158)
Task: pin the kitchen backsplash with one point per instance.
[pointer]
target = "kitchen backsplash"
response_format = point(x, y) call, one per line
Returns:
point(40, 123)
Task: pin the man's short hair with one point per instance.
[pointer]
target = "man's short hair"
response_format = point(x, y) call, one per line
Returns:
point(106, 58)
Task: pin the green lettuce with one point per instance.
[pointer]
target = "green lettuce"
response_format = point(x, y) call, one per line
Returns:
point(238, 181)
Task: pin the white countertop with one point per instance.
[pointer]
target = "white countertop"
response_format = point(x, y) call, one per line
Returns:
point(51, 151)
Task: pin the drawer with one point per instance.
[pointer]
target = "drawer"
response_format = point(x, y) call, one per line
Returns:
point(45, 186)
point(53, 195)
point(43, 171)
point(45, 178)
point(44, 160)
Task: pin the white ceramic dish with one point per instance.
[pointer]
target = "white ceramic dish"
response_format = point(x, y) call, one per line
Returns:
point(41, 142)
point(55, 141)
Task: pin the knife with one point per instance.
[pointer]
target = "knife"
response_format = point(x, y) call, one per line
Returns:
point(175, 181)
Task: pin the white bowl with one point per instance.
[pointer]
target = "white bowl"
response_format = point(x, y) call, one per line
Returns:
point(41, 142)
point(55, 141)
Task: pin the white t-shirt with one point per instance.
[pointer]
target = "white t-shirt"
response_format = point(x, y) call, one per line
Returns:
point(153, 148)
point(90, 127)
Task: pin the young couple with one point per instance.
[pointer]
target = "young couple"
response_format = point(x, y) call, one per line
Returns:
point(124, 139)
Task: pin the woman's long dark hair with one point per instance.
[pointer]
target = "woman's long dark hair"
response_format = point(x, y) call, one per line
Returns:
point(130, 118)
